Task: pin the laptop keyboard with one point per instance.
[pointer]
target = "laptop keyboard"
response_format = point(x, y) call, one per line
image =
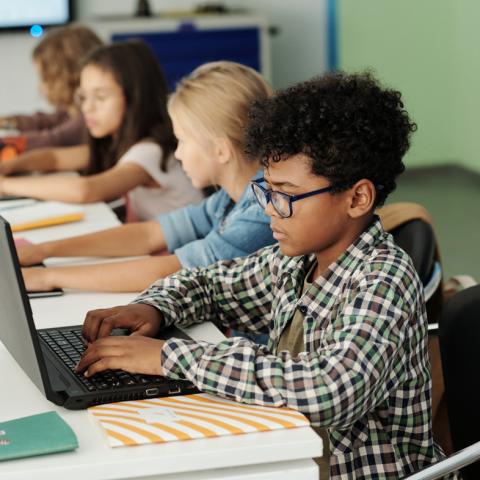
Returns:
point(68, 346)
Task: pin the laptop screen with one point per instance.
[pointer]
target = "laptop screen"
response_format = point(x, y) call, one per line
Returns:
point(50, 367)
point(17, 330)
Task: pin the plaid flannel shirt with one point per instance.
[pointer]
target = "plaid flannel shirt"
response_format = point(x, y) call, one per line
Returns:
point(365, 372)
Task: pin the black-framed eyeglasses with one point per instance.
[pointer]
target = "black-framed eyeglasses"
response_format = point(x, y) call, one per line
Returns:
point(281, 202)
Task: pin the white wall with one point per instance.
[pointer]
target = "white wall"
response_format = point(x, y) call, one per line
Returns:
point(298, 51)
point(18, 79)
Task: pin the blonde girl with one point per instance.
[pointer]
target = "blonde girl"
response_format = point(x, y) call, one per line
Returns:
point(209, 111)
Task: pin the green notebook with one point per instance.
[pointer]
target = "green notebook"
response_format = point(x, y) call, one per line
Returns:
point(35, 435)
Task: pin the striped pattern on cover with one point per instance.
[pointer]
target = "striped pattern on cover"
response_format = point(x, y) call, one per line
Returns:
point(159, 420)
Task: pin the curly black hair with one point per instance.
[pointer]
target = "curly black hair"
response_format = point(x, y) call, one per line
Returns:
point(347, 124)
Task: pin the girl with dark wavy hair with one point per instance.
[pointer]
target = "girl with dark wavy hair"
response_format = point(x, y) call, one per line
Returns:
point(123, 98)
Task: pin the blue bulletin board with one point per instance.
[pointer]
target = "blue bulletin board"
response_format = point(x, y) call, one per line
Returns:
point(183, 50)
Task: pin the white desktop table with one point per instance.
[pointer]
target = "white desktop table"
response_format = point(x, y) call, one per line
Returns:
point(279, 455)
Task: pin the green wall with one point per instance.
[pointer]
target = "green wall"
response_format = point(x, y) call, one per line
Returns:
point(466, 93)
point(430, 51)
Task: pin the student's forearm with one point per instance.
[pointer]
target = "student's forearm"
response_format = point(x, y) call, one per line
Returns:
point(216, 293)
point(132, 239)
point(51, 187)
point(41, 160)
point(124, 276)
point(313, 383)
point(48, 159)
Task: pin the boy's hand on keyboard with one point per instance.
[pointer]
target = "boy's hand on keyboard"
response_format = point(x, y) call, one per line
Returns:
point(140, 319)
point(134, 354)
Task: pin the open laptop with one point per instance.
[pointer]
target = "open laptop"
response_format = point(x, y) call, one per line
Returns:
point(48, 356)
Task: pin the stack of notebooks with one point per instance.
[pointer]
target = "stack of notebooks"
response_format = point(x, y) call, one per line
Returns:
point(32, 214)
point(188, 417)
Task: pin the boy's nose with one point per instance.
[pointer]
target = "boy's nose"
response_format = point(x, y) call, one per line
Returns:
point(270, 211)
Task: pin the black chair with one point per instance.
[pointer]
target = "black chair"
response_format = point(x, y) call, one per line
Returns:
point(460, 346)
point(119, 208)
point(460, 349)
point(417, 238)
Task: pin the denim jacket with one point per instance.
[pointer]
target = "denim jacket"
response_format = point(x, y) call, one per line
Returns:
point(216, 229)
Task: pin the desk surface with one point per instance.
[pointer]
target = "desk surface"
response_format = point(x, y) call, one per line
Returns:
point(95, 460)
point(262, 455)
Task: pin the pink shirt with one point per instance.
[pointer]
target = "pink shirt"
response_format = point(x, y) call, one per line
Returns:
point(174, 188)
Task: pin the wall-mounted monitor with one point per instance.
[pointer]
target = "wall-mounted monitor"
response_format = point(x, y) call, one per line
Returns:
point(23, 14)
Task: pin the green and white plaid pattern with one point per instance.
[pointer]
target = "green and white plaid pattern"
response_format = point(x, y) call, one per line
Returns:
point(365, 375)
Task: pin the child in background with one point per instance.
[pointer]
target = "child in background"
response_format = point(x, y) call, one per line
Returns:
point(123, 97)
point(57, 60)
point(342, 303)
point(209, 113)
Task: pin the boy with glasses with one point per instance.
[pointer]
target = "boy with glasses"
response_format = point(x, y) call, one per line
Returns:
point(341, 303)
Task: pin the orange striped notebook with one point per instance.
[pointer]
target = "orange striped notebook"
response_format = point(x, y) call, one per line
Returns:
point(188, 417)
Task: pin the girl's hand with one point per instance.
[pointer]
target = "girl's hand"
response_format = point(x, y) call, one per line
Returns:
point(140, 319)
point(134, 354)
point(36, 280)
point(30, 254)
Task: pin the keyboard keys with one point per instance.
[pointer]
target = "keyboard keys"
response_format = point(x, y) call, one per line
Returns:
point(69, 346)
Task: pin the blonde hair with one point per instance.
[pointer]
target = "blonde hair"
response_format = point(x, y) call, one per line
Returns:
point(214, 100)
point(59, 55)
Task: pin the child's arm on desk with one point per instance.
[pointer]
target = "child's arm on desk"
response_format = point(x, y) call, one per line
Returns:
point(48, 160)
point(124, 276)
point(131, 239)
point(107, 185)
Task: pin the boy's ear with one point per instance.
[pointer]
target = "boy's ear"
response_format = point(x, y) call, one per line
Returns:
point(362, 198)
point(223, 150)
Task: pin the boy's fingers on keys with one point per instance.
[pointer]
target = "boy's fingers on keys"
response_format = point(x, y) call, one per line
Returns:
point(93, 320)
point(114, 320)
point(94, 353)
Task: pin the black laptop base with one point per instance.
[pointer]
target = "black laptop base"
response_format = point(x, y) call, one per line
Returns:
point(62, 348)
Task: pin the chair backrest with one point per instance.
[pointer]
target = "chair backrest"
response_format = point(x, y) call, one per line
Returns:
point(417, 238)
point(459, 332)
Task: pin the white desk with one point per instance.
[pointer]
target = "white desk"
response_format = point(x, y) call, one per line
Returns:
point(98, 216)
point(270, 455)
